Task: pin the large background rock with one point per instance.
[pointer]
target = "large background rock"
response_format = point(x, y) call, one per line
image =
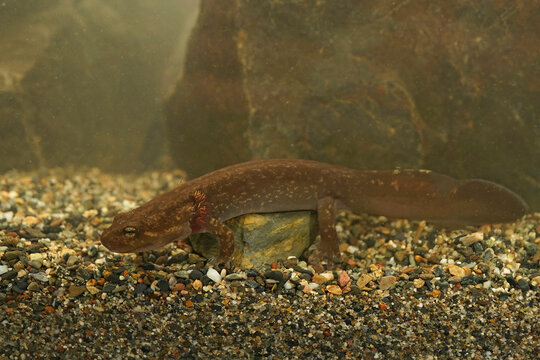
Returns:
point(83, 82)
point(450, 86)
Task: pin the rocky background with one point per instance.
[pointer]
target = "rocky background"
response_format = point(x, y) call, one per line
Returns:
point(82, 83)
point(442, 85)
point(449, 86)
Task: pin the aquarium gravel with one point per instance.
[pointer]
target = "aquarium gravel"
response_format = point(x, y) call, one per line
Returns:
point(402, 290)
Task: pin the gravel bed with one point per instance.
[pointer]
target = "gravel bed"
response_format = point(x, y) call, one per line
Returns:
point(402, 290)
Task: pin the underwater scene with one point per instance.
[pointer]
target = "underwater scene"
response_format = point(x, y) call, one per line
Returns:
point(269, 179)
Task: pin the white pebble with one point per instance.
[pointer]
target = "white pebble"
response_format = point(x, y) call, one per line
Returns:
point(8, 215)
point(36, 256)
point(214, 275)
point(3, 269)
point(40, 276)
point(288, 285)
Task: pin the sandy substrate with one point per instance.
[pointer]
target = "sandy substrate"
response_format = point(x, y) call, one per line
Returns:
point(403, 290)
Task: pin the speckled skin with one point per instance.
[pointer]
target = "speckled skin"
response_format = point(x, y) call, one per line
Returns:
point(263, 186)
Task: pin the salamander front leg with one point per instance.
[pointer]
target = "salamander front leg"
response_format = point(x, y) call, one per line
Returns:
point(226, 241)
point(326, 214)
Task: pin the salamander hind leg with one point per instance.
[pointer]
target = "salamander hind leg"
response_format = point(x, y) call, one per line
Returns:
point(326, 214)
point(226, 240)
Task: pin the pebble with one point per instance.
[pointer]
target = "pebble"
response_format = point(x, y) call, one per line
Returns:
point(213, 275)
point(197, 284)
point(10, 274)
point(275, 275)
point(40, 276)
point(196, 275)
point(182, 274)
point(3, 269)
point(523, 285)
point(363, 280)
point(418, 283)
point(470, 239)
point(386, 282)
point(72, 260)
point(92, 289)
point(31, 220)
point(34, 287)
point(319, 279)
point(236, 276)
point(334, 289)
point(343, 278)
point(75, 291)
point(456, 270)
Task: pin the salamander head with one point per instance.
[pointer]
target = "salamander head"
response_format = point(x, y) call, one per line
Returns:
point(133, 231)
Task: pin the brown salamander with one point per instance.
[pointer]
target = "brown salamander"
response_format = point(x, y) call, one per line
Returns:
point(263, 186)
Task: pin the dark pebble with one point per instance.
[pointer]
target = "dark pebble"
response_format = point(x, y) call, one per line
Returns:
point(21, 283)
point(252, 273)
point(275, 275)
point(118, 271)
point(148, 266)
point(205, 280)
point(414, 274)
point(84, 273)
point(444, 285)
point(523, 285)
point(17, 290)
point(48, 229)
point(512, 281)
point(109, 287)
point(215, 307)
point(468, 280)
point(420, 251)
point(146, 347)
point(115, 279)
point(163, 285)
point(428, 284)
point(306, 277)
point(252, 284)
point(531, 248)
point(74, 220)
point(488, 255)
point(11, 274)
point(484, 268)
point(199, 298)
point(36, 249)
point(503, 296)
point(10, 255)
point(438, 271)
point(478, 247)
point(302, 270)
point(140, 288)
point(196, 275)
point(35, 233)
point(177, 259)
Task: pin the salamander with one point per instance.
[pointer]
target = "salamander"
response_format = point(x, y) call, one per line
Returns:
point(266, 186)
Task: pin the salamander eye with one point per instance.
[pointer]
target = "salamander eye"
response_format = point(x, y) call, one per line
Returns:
point(130, 231)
